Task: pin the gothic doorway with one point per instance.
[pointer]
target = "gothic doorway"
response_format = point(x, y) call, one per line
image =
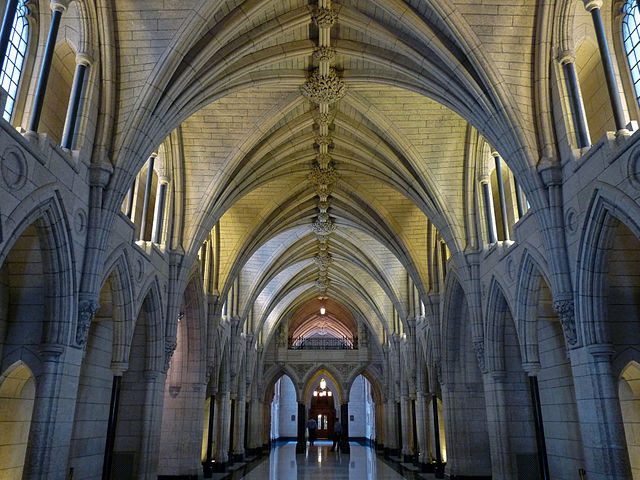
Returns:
point(323, 410)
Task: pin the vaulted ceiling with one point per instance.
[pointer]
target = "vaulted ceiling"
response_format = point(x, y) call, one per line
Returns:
point(414, 77)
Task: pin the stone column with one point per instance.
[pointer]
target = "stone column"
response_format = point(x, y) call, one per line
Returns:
point(541, 444)
point(113, 420)
point(391, 437)
point(73, 112)
point(520, 201)
point(240, 419)
point(301, 444)
point(421, 429)
point(207, 466)
point(439, 470)
point(151, 424)
point(502, 466)
point(567, 60)
point(57, 9)
point(501, 197)
point(601, 424)
point(221, 444)
point(344, 419)
point(232, 430)
point(489, 215)
point(593, 7)
point(158, 214)
point(405, 427)
point(43, 450)
point(147, 198)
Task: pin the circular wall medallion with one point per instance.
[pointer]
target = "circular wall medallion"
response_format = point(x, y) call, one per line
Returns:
point(80, 220)
point(571, 220)
point(139, 269)
point(633, 169)
point(511, 269)
point(14, 168)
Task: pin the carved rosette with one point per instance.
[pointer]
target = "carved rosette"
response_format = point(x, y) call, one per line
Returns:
point(324, 88)
point(87, 309)
point(169, 348)
point(566, 314)
point(324, 17)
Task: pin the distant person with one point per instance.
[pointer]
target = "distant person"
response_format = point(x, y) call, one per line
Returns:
point(312, 427)
point(337, 436)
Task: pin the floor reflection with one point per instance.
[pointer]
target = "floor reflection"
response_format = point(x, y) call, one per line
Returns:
point(319, 463)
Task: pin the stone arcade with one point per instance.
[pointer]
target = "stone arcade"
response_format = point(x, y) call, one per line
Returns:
point(212, 211)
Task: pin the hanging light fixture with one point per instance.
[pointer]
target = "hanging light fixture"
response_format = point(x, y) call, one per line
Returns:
point(322, 310)
point(323, 384)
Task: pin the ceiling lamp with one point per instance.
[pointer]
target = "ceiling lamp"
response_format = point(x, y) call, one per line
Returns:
point(323, 383)
point(322, 311)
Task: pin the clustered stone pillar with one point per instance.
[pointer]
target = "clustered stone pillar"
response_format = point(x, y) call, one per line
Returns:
point(43, 435)
point(593, 7)
point(602, 427)
point(222, 424)
point(421, 430)
point(405, 428)
point(68, 134)
point(208, 467)
point(57, 11)
point(239, 414)
point(497, 423)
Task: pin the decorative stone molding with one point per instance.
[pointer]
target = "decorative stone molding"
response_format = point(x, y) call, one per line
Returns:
point(566, 314)
point(478, 346)
point(169, 348)
point(323, 226)
point(324, 88)
point(323, 191)
point(323, 176)
point(324, 53)
point(323, 118)
point(323, 260)
point(323, 283)
point(324, 17)
point(87, 309)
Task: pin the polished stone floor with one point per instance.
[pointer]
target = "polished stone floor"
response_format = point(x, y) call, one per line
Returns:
point(318, 462)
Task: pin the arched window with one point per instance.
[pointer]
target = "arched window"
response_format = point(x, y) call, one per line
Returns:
point(14, 60)
point(631, 36)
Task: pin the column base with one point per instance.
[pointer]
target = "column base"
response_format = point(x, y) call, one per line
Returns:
point(237, 457)
point(301, 447)
point(408, 458)
point(219, 467)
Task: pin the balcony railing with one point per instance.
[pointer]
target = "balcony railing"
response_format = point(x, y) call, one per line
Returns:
point(319, 343)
